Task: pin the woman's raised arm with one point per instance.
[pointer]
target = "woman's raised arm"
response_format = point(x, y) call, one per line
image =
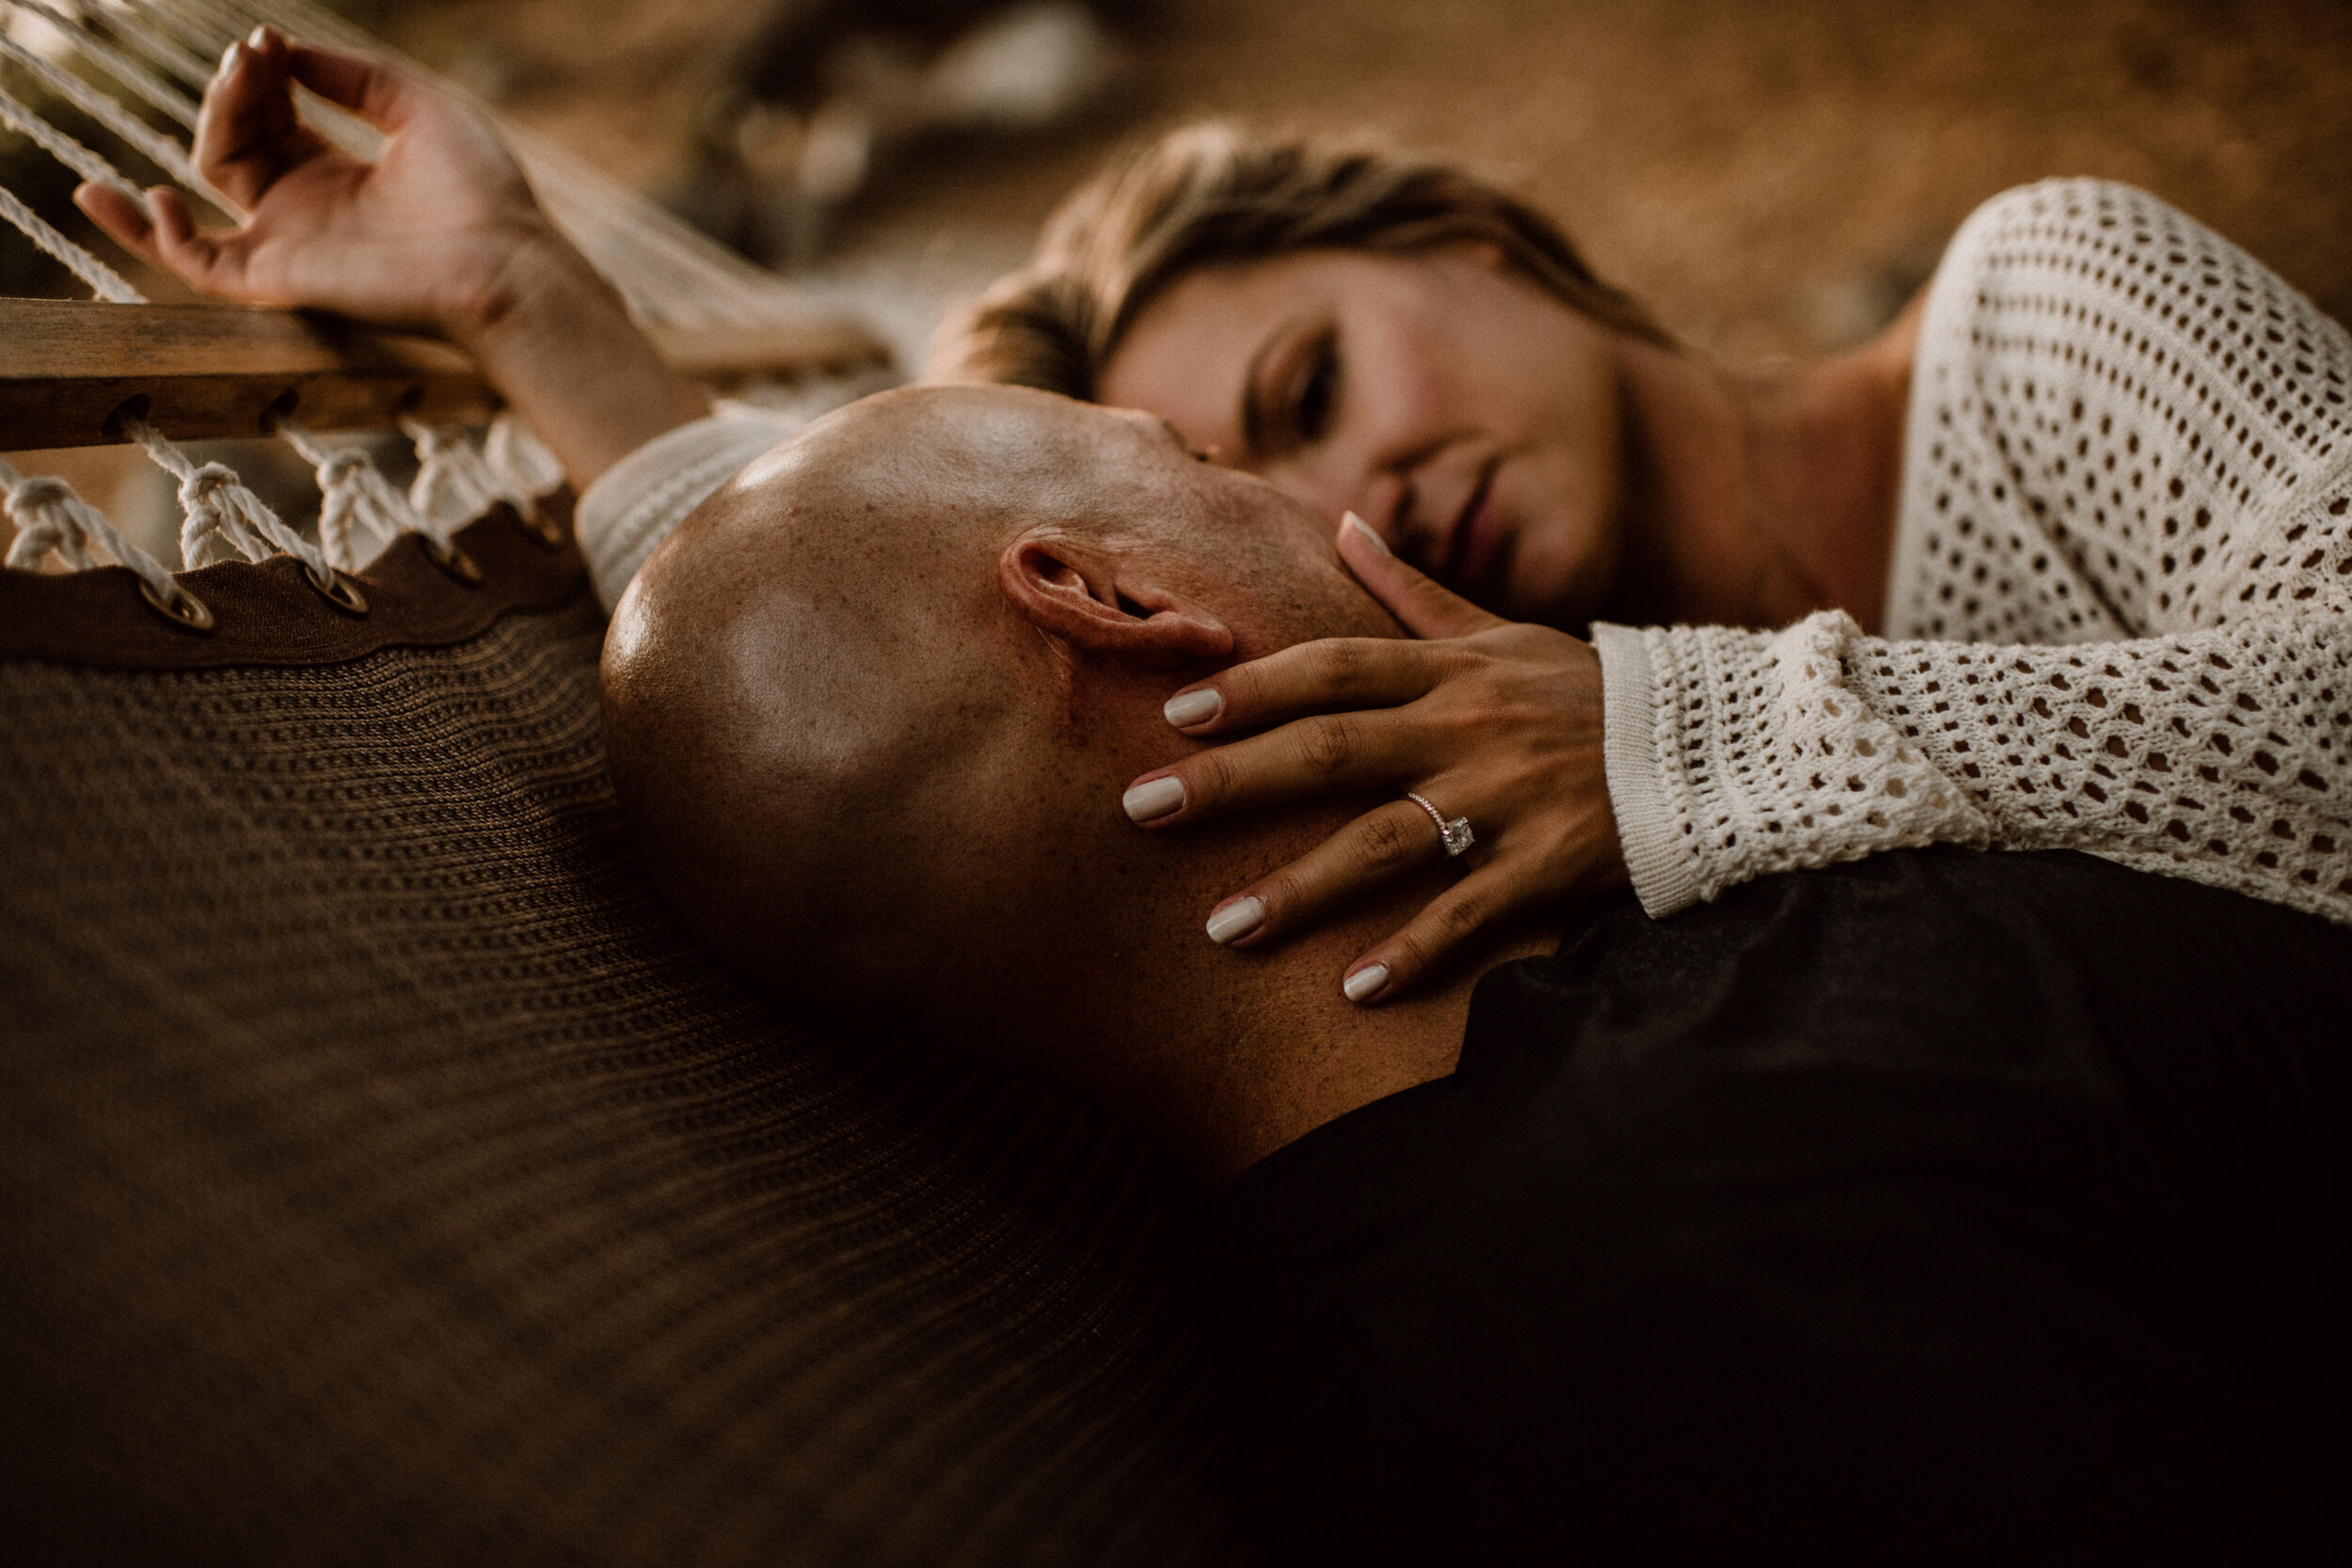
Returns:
point(441, 234)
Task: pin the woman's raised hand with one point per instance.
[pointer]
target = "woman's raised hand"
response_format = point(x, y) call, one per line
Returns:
point(434, 234)
point(1493, 720)
point(441, 234)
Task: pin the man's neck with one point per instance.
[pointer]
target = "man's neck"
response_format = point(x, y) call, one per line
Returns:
point(1756, 498)
point(1264, 1047)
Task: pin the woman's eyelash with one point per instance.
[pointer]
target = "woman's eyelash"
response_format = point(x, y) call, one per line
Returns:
point(1318, 391)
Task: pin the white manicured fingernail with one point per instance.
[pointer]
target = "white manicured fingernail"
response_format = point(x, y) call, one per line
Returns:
point(228, 56)
point(1236, 919)
point(1364, 982)
point(259, 37)
point(1156, 798)
point(1194, 707)
point(1351, 520)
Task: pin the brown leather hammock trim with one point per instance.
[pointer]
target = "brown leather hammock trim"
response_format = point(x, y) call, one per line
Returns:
point(271, 614)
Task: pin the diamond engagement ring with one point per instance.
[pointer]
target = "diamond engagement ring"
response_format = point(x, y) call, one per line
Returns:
point(1455, 835)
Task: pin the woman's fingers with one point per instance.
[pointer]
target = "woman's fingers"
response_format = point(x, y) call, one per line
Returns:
point(368, 88)
point(1427, 607)
point(1461, 912)
point(1306, 677)
point(163, 233)
point(1325, 754)
point(182, 247)
point(1375, 848)
point(125, 221)
point(246, 135)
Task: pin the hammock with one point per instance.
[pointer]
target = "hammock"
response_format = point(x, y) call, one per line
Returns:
point(385, 1178)
point(120, 369)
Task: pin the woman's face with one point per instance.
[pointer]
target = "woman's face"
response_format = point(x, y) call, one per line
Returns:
point(1467, 414)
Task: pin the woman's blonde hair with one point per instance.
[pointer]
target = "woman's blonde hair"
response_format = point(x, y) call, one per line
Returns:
point(1211, 193)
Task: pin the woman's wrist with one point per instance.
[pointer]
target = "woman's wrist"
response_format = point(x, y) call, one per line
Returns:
point(557, 342)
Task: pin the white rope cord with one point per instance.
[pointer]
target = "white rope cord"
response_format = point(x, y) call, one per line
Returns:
point(167, 39)
point(357, 496)
point(50, 516)
point(521, 461)
point(159, 94)
point(203, 27)
point(108, 284)
point(453, 485)
point(668, 273)
point(166, 154)
point(217, 505)
point(72, 154)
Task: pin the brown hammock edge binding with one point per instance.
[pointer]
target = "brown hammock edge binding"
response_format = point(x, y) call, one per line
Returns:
point(68, 369)
point(269, 613)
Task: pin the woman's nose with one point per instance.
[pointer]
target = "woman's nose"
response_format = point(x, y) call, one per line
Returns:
point(1333, 489)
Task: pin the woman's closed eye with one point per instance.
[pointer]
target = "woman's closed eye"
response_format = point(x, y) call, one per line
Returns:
point(1316, 392)
point(1292, 392)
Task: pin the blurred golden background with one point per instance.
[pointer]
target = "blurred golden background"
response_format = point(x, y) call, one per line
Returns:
point(1772, 177)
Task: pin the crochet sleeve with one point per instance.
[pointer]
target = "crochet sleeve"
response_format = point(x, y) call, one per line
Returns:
point(641, 500)
point(2121, 594)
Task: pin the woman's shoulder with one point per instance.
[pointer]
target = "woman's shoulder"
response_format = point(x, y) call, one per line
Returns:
point(2129, 302)
point(2119, 274)
point(2107, 392)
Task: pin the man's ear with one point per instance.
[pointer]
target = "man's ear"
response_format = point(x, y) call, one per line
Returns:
point(1109, 602)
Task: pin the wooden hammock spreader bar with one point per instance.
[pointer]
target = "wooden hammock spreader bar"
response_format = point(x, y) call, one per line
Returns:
point(69, 367)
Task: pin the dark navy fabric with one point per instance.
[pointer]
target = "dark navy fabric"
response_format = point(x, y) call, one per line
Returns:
point(1943, 1206)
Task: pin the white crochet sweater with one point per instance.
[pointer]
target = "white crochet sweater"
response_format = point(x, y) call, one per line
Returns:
point(2122, 588)
point(2120, 594)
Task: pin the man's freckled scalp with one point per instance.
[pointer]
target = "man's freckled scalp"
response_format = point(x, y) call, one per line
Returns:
point(853, 755)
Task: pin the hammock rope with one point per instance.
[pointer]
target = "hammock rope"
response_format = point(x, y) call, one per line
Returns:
point(167, 39)
point(106, 283)
point(160, 150)
point(49, 517)
point(72, 154)
point(158, 54)
point(218, 506)
point(355, 496)
point(156, 93)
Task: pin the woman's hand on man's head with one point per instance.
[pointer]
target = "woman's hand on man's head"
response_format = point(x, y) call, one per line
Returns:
point(1492, 720)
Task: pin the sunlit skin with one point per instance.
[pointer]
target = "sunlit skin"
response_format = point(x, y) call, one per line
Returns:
point(1534, 461)
point(1554, 471)
point(1547, 469)
point(1454, 405)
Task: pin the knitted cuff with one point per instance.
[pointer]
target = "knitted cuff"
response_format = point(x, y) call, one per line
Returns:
point(1663, 870)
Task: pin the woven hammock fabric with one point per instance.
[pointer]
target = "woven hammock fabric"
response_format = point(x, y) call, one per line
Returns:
point(386, 1178)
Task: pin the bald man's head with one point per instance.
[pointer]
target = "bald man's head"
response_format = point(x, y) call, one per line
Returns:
point(872, 706)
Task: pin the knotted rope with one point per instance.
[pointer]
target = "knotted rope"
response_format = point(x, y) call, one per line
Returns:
point(355, 495)
point(455, 483)
point(50, 516)
point(216, 505)
point(521, 462)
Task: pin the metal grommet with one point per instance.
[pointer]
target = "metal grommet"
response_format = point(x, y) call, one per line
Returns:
point(183, 610)
point(460, 567)
point(341, 591)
